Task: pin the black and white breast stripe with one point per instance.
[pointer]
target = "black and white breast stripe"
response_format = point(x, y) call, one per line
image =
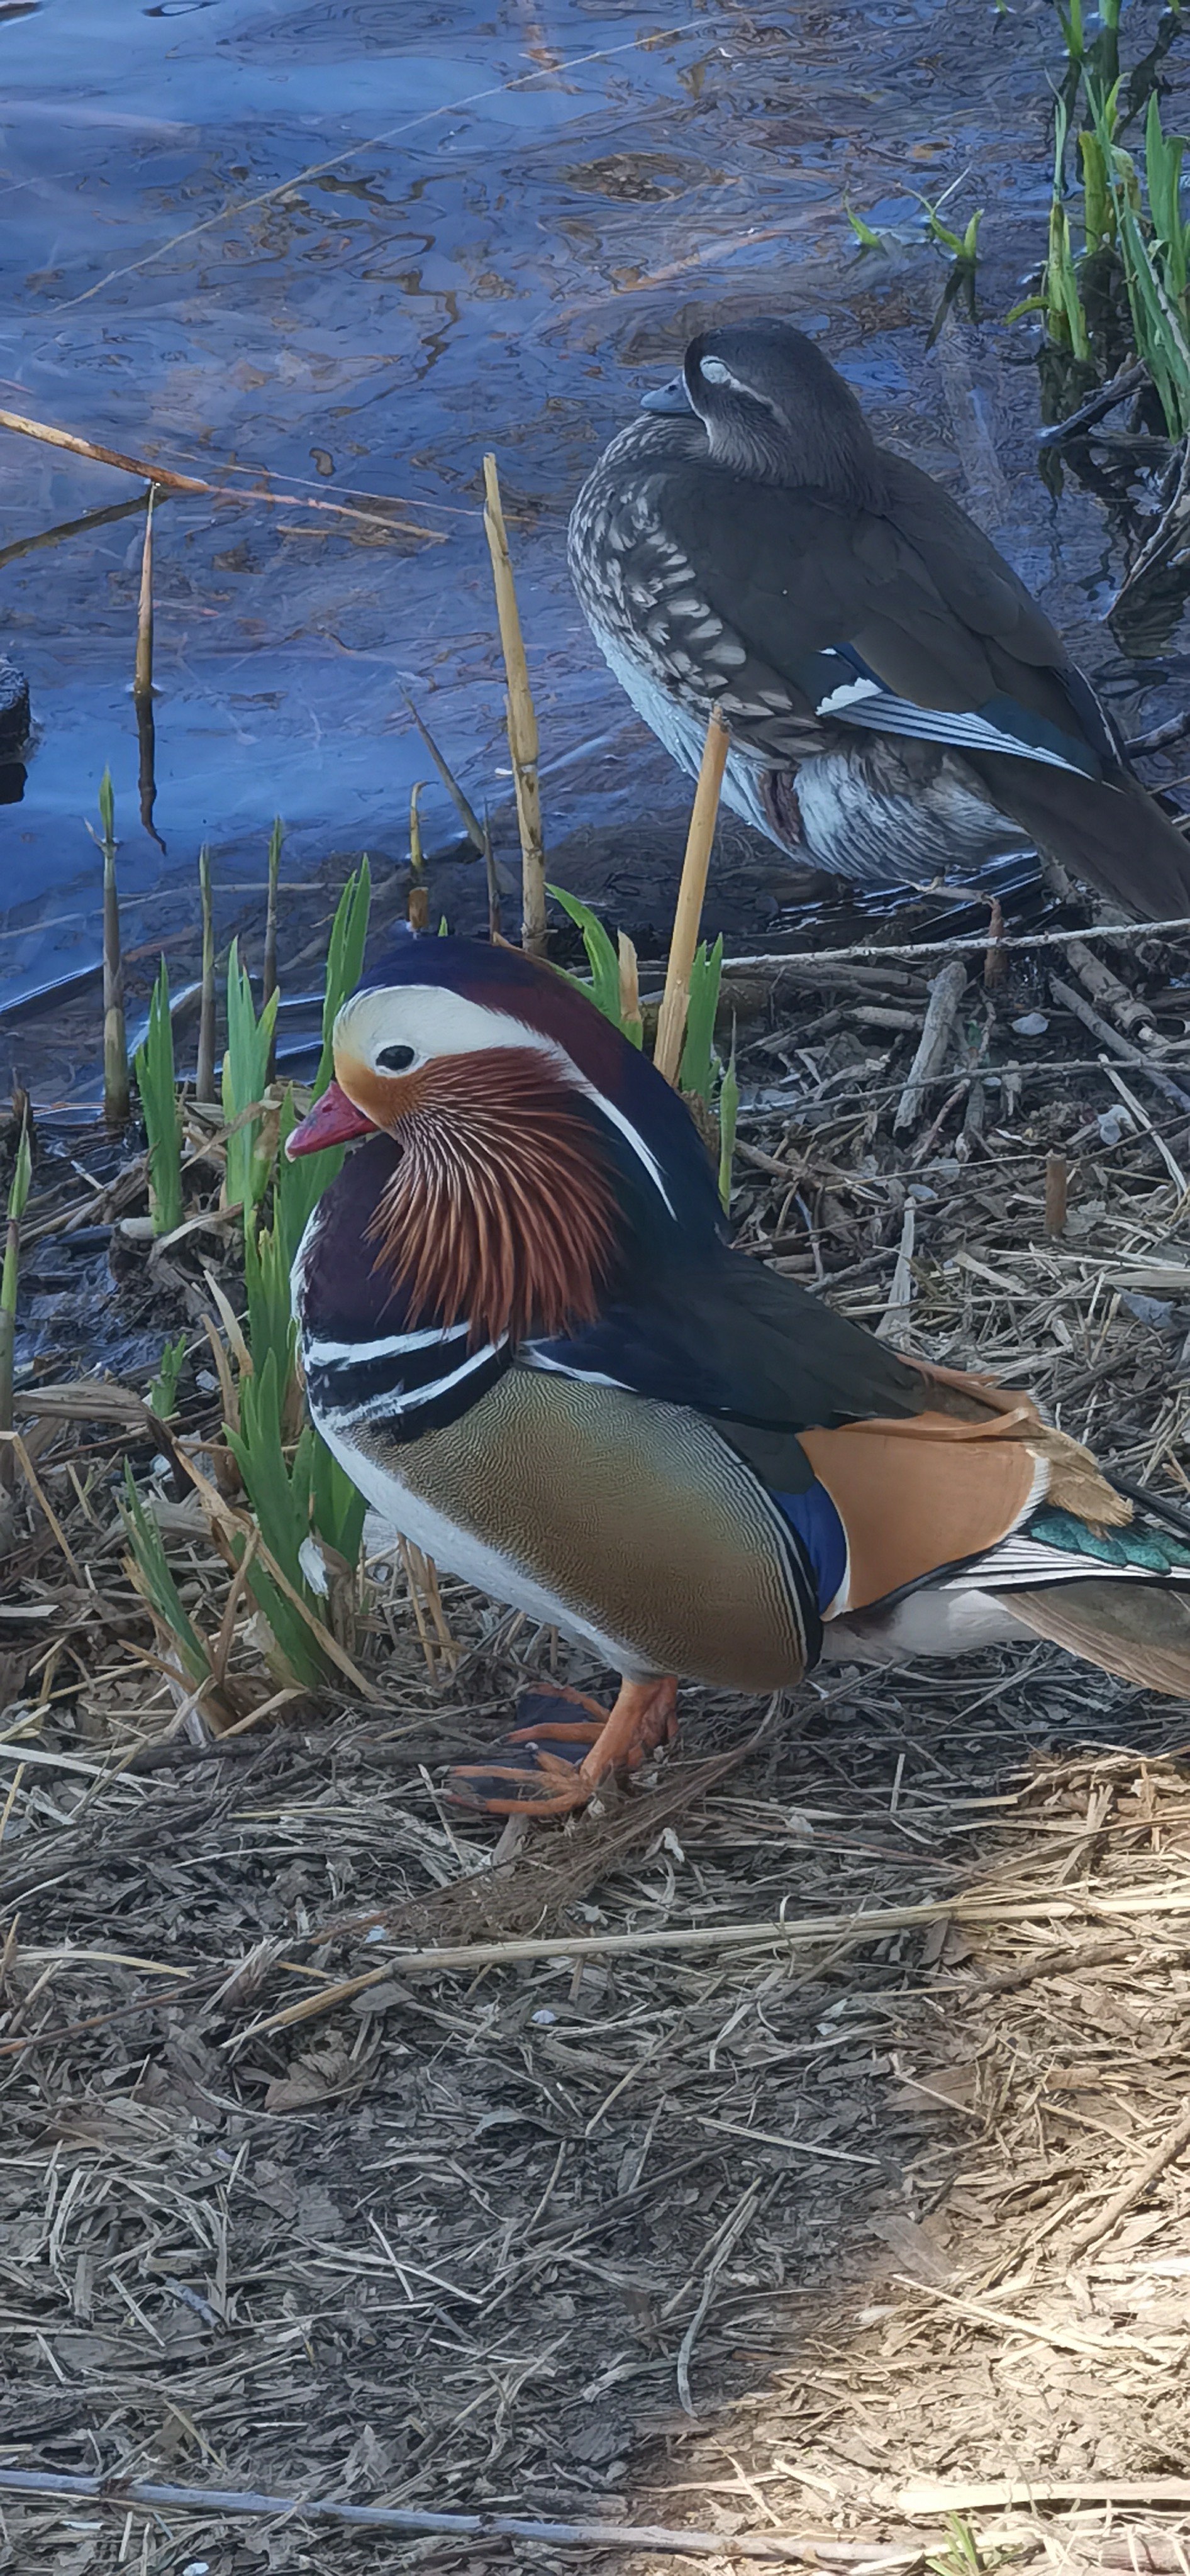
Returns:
point(412, 1382)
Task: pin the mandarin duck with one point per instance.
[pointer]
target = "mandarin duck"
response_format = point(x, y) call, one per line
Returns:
point(899, 705)
point(528, 1340)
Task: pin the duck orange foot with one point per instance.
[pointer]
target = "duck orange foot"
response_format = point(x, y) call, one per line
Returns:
point(553, 1765)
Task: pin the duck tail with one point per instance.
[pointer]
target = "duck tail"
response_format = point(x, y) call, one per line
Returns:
point(1113, 835)
point(1139, 1631)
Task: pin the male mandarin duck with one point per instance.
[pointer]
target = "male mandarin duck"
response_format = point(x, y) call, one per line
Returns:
point(899, 705)
point(529, 1342)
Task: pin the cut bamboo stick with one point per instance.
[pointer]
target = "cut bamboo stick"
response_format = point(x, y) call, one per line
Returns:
point(522, 722)
point(671, 1024)
point(204, 1071)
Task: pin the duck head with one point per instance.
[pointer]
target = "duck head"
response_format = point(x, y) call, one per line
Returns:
point(519, 1144)
point(775, 411)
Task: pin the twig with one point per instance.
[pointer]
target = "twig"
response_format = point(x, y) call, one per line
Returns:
point(522, 722)
point(1106, 399)
point(463, 807)
point(799, 1934)
point(1159, 737)
point(204, 1072)
point(729, 2238)
point(1163, 2154)
point(1141, 1115)
point(671, 1023)
point(1115, 1044)
point(1130, 1014)
point(900, 1296)
point(778, 2548)
point(169, 481)
point(946, 993)
point(811, 959)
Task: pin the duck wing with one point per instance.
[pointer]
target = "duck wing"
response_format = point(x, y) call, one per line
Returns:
point(906, 620)
point(756, 1353)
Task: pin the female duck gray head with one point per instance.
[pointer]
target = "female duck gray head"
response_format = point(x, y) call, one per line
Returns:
point(775, 412)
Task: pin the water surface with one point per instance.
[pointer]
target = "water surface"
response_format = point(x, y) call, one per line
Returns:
point(333, 251)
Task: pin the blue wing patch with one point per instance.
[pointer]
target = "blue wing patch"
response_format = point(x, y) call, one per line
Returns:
point(817, 1523)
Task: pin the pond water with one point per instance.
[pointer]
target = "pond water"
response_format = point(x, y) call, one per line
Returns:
point(333, 251)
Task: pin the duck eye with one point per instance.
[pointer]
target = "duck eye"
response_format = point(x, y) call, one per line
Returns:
point(395, 1059)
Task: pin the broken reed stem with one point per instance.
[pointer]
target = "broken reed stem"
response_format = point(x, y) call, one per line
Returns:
point(17, 1196)
point(771, 2548)
point(631, 1020)
point(522, 722)
point(1163, 2154)
point(803, 1933)
point(168, 481)
point(116, 1089)
point(946, 993)
point(418, 909)
point(142, 684)
point(671, 1023)
point(276, 838)
point(1055, 1194)
point(204, 1071)
point(994, 961)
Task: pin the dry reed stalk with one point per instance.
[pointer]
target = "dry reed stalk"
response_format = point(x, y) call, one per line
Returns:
point(116, 1089)
point(276, 838)
point(994, 960)
point(1055, 1194)
point(1164, 2153)
point(168, 481)
point(631, 1020)
point(946, 993)
point(522, 722)
point(418, 909)
point(204, 1071)
point(802, 1933)
point(771, 2548)
point(142, 684)
point(671, 1023)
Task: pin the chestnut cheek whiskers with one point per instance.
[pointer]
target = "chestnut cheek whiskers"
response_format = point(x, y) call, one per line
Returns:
point(501, 1211)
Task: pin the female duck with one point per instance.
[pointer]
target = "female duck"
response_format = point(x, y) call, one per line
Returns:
point(898, 703)
point(528, 1342)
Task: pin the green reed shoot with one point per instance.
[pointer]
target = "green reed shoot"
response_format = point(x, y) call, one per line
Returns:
point(269, 980)
point(163, 1393)
point(17, 1196)
point(156, 1583)
point(156, 1084)
point(279, 1480)
point(245, 1080)
point(602, 958)
point(699, 1062)
point(116, 1095)
point(1153, 254)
